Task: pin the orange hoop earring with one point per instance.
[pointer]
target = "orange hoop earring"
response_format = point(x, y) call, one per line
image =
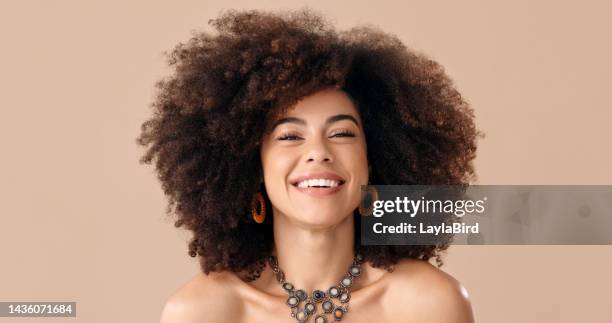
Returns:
point(261, 216)
point(374, 197)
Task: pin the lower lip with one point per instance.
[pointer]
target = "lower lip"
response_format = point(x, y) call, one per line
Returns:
point(319, 191)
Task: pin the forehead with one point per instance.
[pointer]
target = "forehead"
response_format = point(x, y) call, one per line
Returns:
point(320, 109)
point(322, 104)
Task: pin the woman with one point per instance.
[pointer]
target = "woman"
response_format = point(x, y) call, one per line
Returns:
point(262, 139)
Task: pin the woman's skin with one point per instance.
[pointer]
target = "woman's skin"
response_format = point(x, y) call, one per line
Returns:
point(320, 137)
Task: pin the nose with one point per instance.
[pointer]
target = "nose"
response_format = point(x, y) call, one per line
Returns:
point(322, 159)
point(318, 152)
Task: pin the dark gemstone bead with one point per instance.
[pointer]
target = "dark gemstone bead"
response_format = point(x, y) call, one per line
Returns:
point(301, 294)
point(318, 295)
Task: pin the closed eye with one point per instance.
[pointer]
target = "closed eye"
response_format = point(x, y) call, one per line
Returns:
point(289, 137)
point(343, 133)
point(337, 134)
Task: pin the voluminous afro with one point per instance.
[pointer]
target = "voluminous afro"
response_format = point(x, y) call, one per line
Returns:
point(211, 113)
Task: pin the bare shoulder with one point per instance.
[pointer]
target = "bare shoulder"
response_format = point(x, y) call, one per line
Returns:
point(204, 299)
point(431, 294)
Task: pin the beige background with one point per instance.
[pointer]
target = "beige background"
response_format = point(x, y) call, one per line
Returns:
point(83, 221)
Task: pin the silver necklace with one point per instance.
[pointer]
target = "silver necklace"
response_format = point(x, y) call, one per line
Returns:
point(339, 292)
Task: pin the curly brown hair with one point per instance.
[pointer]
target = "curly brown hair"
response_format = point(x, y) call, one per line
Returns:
point(210, 114)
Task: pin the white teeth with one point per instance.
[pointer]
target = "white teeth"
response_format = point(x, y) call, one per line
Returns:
point(318, 182)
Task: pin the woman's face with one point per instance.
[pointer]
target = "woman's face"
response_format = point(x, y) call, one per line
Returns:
point(314, 160)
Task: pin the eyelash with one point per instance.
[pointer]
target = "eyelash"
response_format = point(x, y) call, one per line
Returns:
point(342, 133)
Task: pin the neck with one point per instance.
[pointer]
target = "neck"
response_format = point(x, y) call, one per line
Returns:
point(313, 258)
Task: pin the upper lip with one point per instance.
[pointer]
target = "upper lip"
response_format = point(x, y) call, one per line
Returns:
point(313, 175)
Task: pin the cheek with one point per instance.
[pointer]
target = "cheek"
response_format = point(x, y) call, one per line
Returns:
point(357, 162)
point(361, 169)
point(276, 166)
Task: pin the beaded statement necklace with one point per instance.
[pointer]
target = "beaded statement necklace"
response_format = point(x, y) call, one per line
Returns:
point(338, 292)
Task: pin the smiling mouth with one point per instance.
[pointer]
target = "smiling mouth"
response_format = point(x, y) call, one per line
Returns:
point(319, 183)
point(319, 187)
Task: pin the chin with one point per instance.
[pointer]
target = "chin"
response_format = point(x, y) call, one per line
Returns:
point(320, 218)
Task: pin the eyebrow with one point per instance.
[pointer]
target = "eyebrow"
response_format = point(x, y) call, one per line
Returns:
point(332, 119)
